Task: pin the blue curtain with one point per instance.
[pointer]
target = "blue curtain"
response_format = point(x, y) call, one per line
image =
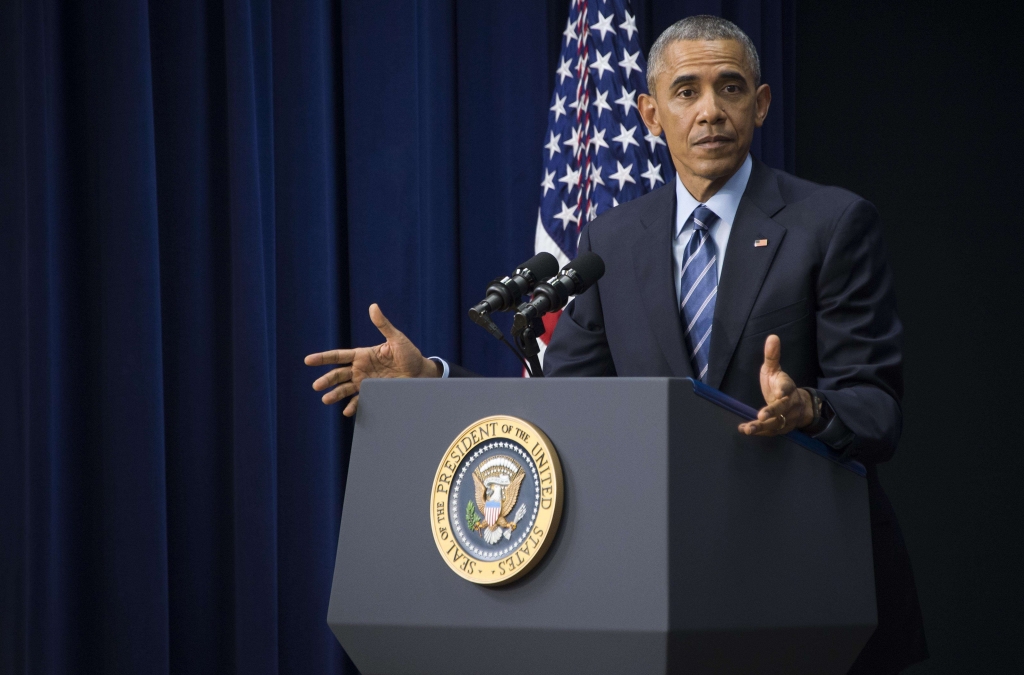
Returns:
point(194, 194)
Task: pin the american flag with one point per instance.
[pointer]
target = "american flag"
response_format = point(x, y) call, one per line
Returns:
point(597, 153)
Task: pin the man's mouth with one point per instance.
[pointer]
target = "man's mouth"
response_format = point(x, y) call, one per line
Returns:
point(715, 141)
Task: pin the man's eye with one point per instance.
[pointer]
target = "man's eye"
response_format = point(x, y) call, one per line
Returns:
point(686, 93)
point(731, 88)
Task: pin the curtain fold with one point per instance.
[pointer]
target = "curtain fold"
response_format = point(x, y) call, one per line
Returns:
point(194, 194)
point(248, 42)
point(90, 387)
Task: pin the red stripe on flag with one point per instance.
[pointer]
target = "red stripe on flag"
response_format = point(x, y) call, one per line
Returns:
point(549, 325)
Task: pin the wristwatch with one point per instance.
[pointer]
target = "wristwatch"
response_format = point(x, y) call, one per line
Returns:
point(823, 413)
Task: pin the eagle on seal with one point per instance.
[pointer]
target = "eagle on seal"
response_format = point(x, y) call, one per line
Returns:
point(497, 485)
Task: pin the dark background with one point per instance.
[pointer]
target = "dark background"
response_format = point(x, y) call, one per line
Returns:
point(194, 194)
point(916, 107)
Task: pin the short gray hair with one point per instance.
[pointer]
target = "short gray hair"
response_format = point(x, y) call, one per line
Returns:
point(700, 27)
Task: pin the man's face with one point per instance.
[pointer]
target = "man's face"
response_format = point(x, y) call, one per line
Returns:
point(708, 106)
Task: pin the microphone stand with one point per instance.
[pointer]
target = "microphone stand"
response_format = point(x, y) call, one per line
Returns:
point(484, 321)
point(526, 339)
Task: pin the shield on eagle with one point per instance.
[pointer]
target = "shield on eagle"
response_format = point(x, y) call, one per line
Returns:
point(497, 482)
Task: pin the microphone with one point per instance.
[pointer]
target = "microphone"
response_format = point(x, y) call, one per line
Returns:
point(576, 277)
point(503, 294)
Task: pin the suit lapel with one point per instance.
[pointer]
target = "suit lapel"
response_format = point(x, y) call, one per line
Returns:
point(746, 266)
point(652, 260)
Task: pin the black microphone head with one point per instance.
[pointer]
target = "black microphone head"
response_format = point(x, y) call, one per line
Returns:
point(541, 266)
point(588, 267)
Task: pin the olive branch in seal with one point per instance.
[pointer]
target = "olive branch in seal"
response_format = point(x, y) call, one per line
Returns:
point(472, 517)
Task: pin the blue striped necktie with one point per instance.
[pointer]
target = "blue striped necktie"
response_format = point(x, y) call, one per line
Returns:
point(699, 290)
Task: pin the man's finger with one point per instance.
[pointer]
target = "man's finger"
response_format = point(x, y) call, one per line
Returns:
point(756, 428)
point(335, 356)
point(782, 387)
point(770, 427)
point(350, 409)
point(779, 407)
point(771, 420)
point(772, 353)
point(382, 323)
point(340, 392)
point(336, 376)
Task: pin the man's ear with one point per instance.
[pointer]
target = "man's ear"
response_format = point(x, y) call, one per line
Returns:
point(648, 107)
point(764, 100)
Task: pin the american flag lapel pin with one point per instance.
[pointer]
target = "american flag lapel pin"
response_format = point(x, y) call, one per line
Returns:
point(758, 243)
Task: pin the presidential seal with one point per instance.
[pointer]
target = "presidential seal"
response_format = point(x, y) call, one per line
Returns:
point(496, 500)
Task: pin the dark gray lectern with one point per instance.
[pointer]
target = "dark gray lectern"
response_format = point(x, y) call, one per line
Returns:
point(684, 547)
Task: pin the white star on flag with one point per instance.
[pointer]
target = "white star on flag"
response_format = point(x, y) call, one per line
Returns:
point(653, 140)
point(623, 175)
point(570, 31)
point(629, 25)
point(559, 107)
point(552, 144)
point(653, 174)
point(603, 25)
point(626, 138)
point(601, 64)
point(567, 215)
point(571, 177)
point(601, 102)
point(573, 140)
point(549, 181)
point(627, 101)
point(581, 101)
point(598, 140)
point(563, 70)
point(595, 175)
point(628, 62)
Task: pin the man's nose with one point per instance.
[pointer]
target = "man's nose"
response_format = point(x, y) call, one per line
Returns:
point(710, 110)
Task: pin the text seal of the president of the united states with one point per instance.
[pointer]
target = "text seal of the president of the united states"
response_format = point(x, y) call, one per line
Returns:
point(496, 500)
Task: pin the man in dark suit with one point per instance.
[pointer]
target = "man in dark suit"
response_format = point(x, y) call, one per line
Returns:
point(773, 289)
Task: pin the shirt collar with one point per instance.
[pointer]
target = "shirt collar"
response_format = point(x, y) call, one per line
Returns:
point(724, 203)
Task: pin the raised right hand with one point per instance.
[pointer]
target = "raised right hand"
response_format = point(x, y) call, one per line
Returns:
point(395, 357)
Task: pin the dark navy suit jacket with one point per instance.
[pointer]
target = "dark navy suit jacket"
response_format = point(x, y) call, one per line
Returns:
point(821, 284)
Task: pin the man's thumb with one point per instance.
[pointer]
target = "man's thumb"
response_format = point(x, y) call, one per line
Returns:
point(382, 323)
point(772, 352)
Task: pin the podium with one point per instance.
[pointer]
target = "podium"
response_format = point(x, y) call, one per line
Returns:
point(684, 546)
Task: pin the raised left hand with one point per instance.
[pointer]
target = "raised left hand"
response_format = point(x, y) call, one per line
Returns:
point(789, 407)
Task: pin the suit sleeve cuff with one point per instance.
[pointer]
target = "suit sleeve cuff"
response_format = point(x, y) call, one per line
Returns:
point(444, 364)
point(836, 435)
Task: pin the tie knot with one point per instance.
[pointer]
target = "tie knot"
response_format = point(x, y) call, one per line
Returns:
point(703, 218)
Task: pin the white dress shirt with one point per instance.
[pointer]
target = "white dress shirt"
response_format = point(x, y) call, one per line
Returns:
point(724, 203)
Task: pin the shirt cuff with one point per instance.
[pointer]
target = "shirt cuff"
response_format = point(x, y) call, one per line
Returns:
point(444, 365)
